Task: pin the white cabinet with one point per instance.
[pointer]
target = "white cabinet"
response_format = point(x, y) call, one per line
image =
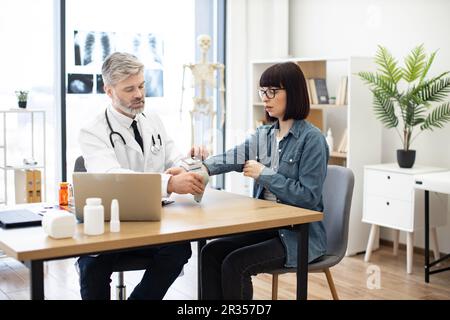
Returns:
point(23, 137)
point(390, 200)
point(356, 118)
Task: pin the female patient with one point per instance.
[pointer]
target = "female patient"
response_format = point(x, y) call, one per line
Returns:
point(288, 162)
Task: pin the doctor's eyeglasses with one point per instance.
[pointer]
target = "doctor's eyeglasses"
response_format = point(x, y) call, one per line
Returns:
point(270, 93)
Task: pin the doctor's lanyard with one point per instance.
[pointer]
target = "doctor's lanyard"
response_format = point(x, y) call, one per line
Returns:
point(154, 148)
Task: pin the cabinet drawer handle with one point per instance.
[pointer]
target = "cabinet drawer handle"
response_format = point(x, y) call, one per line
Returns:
point(387, 203)
point(389, 177)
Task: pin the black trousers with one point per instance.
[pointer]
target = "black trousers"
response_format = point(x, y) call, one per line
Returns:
point(228, 263)
point(166, 263)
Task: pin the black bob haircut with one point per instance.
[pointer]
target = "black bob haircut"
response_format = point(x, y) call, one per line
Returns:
point(289, 76)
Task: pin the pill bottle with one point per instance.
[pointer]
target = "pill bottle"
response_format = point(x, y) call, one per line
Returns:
point(64, 194)
point(94, 217)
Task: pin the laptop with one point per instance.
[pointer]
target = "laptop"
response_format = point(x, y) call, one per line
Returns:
point(139, 194)
point(19, 218)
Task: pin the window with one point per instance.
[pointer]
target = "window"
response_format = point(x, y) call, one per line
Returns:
point(27, 63)
point(96, 28)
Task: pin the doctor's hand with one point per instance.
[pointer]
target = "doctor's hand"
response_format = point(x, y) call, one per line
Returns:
point(253, 169)
point(175, 171)
point(188, 182)
point(200, 153)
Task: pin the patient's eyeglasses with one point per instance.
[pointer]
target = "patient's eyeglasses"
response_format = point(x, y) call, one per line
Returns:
point(269, 92)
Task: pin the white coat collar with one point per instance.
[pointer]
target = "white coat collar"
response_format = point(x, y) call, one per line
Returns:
point(123, 120)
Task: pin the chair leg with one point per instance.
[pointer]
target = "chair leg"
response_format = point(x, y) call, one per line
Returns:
point(274, 286)
point(331, 284)
point(121, 289)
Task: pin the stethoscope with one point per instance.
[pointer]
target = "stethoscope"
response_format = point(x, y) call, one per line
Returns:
point(154, 148)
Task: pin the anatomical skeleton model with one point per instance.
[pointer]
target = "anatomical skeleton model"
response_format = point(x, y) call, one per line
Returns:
point(204, 81)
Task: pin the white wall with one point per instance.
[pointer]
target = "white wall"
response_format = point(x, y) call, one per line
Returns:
point(356, 27)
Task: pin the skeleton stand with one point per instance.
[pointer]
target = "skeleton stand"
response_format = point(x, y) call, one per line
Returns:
point(203, 114)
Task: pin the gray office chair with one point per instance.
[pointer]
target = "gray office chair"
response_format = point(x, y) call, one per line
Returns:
point(131, 264)
point(337, 199)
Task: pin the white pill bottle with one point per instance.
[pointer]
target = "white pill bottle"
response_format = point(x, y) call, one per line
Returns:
point(94, 217)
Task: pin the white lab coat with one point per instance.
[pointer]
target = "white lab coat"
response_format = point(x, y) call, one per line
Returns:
point(100, 156)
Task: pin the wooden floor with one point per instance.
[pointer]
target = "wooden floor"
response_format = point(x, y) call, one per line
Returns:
point(352, 277)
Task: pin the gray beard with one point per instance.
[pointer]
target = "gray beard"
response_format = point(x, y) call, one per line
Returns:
point(130, 110)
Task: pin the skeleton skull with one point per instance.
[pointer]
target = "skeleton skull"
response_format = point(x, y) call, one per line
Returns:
point(204, 41)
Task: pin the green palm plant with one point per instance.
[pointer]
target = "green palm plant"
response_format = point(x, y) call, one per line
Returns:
point(413, 103)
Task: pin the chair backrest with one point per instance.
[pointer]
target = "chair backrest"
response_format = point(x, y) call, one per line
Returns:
point(79, 165)
point(337, 199)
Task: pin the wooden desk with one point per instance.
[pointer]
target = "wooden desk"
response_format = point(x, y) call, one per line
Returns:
point(434, 182)
point(220, 213)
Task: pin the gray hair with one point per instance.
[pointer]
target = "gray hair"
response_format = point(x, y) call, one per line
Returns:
point(119, 66)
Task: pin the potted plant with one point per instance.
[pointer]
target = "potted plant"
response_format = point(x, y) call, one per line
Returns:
point(413, 100)
point(22, 97)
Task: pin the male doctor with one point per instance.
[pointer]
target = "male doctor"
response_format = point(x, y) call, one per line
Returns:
point(124, 139)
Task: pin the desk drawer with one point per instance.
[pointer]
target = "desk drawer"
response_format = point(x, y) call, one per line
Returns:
point(388, 212)
point(387, 184)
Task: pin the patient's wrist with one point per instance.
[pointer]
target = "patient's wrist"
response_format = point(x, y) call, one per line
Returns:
point(205, 169)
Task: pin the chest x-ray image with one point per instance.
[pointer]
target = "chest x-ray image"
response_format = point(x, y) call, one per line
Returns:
point(148, 47)
point(91, 47)
point(154, 83)
point(151, 52)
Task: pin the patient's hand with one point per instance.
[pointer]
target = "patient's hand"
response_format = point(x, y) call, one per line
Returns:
point(253, 169)
point(200, 153)
point(175, 171)
point(187, 182)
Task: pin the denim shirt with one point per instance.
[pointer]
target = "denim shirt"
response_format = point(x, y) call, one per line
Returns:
point(303, 159)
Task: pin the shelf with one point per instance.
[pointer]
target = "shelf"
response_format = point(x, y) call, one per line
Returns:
point(312, 106)
point(305, 59)
point(23, 173)
point(340, 155)
point(327, 106)
point(12, 110)
point(21, 167)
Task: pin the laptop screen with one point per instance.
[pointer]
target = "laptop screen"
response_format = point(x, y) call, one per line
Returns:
point(139, 194)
